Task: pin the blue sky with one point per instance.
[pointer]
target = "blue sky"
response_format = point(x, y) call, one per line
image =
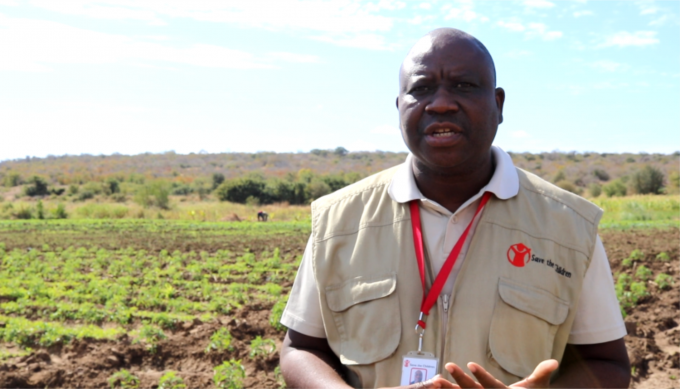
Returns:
point(134, 76)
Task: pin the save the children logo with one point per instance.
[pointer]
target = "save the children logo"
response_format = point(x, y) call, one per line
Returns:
point(406, 363)
point(519, 254)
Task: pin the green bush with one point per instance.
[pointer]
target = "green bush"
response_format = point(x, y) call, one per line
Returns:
point(635, 256)
point(595, 189)
point(648, 180)
point(601, 174)
point(663, 257)
point(615, 188)
point(664, 281)
point(171, 380)
point(217, 180)
point(229, 375)
point(643, 273)
point(37, 186)
point(123, 379)
point(277, 312)
point(12, 179)
point(153, 194)
point(261, 347)
point(220, 341)
point(240, 189)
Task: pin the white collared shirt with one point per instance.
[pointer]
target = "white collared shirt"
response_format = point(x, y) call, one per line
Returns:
point(598, 318)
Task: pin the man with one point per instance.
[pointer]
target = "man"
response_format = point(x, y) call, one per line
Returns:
point(526, 283)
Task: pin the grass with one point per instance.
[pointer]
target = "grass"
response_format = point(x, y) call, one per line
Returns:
point(639, 211)
point(180, 209)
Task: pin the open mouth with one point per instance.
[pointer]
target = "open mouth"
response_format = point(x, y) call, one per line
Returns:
point(443, 132)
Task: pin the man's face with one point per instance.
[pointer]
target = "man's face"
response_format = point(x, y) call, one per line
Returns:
point(448, 105)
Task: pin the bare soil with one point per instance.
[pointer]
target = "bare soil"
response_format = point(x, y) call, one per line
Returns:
point(653, 341)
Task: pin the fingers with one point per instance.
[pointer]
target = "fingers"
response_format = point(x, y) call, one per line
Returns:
point(436, 382)
point(540, 378)
point(484, 377)
point(462, 379)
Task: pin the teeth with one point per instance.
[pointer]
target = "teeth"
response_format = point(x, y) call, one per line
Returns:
point(442, 133)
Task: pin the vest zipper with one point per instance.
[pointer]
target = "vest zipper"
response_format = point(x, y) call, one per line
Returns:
point(443, 323)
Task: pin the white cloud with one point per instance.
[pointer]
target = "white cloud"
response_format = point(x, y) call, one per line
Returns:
point(32, 45)
point(512, 26)
point(531, 30)
point(578, 14)
point(520, 134)
point(419, 19)
point(360, 41)
point(294, 58)
point(538, 4)
point(425, 5)
point(386, 130)
point(624, 38)
point(649, 10)
point(541, 30)
point(608, 66)
point(463, 11)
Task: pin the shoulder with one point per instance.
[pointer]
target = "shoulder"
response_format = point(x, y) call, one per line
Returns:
point(376, 182)
point(545, 194)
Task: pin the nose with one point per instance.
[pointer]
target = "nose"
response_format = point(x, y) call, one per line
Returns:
point(442, 102)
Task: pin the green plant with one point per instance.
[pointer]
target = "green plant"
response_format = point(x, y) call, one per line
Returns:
point(229, 375)
point(171, 380)
point(150, 335)
point(40, 210)
point(647, 180)
point(615, 188)
point(220, 341)
point(261, 347)
point(595, 189)
point(663, 257)
point(123, 379)
point(37, 186)
point(635, 255)
point(279, 378)
point(643, 273)
point(154, 194)
point(59, 212)
point(664, 281)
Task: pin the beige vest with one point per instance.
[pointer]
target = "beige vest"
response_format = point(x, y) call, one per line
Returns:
point(505, 317)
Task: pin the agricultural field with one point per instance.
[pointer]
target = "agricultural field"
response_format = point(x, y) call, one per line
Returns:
point(166, 303)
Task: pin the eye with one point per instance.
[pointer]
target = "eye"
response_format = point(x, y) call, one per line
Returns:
point(463, 85)
point(420, 89)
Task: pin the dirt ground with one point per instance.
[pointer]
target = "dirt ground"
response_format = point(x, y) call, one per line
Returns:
point(653, 341)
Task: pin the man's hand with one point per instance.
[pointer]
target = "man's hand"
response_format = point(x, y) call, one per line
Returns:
point(540, 378)
point(436, 382)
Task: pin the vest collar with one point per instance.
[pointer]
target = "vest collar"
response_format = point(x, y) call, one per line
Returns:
point(504, 183)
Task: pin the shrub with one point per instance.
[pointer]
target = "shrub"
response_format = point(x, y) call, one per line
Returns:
point(85, 195)
point(37, 186)
point(229, 375)
point(73, 189)
point(59, 212)
point(648, 180)
point(170, 380)
point(635, 255)
point(664, 281)
point(568, 186)
point(261, 347)
point(318, 188)
point(123, 379)
point(643, 273)
point(340, 151)
point(595, 189)
point(220, 341)
point(240, 189)
point(153, 194)
point(615, 188)
point(559, 176)
point(40, 210)
point(217, 180)
point(277, 312)
point(601, 174)
point(12, 179)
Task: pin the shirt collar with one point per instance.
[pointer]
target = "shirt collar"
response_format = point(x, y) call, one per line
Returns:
point(504, 183)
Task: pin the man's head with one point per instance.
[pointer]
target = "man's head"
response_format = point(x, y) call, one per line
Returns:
point(418, 376)
point(448, 103)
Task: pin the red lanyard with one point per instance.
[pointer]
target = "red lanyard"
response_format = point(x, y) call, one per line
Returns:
point(430, 298)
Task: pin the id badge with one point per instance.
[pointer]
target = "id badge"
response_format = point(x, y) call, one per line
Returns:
point(418, 367)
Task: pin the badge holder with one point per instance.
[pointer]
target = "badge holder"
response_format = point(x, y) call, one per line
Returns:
point(418, 366)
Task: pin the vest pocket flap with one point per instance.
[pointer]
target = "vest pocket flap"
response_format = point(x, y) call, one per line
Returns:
point(534, 301)
point(358, 290)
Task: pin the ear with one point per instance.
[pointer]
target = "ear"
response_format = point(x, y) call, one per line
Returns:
point(396, 102)
point(500, 99)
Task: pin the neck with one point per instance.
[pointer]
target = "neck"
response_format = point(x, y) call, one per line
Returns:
point(452, 188)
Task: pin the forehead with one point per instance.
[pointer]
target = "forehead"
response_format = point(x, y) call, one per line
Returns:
point(446, 55)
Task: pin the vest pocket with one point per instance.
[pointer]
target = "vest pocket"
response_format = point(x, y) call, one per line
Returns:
point(523, 326)
point(366, 314)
